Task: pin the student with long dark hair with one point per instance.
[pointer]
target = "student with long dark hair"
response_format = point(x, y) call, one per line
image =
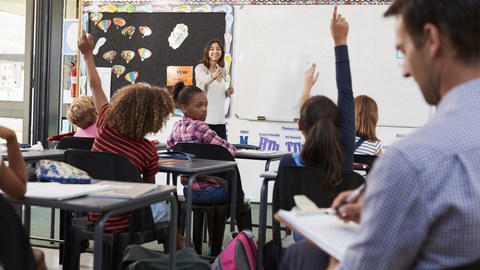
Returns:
point(329, 129)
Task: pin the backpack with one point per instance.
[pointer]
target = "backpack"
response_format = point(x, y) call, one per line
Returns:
point(141, 258)
point(240, 253)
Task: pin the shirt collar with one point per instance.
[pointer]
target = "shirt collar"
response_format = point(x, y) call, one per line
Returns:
point(461, 95)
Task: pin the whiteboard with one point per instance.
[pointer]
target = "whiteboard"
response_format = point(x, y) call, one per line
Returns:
point(274, 46)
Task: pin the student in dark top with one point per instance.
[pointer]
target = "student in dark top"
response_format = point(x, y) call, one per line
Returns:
point(329, 132)
point(329, 129)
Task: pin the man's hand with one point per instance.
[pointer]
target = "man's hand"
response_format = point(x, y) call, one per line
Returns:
point(348, 212)
point(339, 28)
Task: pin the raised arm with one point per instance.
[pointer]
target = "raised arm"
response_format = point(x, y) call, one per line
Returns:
point(339, 29)
point(85, 45)
point(309, 81)
point(13, 179)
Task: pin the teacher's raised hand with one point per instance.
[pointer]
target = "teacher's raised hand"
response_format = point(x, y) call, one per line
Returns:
point(218, 73)
point(339, 28)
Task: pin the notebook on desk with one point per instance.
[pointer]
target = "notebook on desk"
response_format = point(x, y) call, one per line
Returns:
point(58, 191)
point(122, 190)
point(326, 231)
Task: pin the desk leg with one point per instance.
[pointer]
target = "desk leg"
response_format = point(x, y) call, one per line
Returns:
point(173, 230)
point(233, 200)
point(98, 239)
point(27, 216)
point(267, 165)
point(188, 212)
point(262, 222)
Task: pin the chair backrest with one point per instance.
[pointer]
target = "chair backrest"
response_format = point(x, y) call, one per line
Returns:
point(205, 151)
point(75, 143)
point(365, 159)
point(115, 167)
point(308, 181)
point(15, 250)
point(102, 165)
point(246, 146)
point(208, 151)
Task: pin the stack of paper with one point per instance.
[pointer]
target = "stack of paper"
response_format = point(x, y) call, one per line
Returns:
point(58, 191)
point(123, 190)
point(326, 231)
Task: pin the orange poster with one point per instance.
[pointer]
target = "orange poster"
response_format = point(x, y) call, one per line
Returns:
point(179, 73)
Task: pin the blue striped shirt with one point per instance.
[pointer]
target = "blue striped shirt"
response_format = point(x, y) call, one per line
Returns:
point(422, 203)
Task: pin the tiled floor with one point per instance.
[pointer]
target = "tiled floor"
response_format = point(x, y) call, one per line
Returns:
point(41, 219)
point(51, 259)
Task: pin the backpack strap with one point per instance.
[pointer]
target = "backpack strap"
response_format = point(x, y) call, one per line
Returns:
point(358, 143)
point(297, 159)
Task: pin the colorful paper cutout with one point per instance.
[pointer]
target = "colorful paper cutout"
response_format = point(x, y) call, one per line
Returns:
point(144, 53)
point(104, 25)
point(118, 70)
point(131, 77)
point(128, 55)
point(109, 56)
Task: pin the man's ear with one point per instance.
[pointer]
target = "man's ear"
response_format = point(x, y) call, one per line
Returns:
point(300, 125)
point(433, 39)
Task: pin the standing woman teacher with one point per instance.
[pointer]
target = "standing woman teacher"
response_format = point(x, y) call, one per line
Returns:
point(210, 77)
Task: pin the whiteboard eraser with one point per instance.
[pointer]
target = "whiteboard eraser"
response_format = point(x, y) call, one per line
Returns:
point(260, 117)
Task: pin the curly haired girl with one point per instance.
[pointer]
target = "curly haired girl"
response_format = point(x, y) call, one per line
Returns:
point(135, 111)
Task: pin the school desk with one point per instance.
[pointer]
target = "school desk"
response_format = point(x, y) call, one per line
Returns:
point(197, 167)
point(109, 207)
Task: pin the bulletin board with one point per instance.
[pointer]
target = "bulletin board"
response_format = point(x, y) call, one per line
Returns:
point(142, 39)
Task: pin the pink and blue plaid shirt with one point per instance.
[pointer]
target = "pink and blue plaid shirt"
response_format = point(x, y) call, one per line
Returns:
point(195, 131)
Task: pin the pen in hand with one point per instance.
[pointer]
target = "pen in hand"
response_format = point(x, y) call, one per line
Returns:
point(354, 195)
point(351, 198)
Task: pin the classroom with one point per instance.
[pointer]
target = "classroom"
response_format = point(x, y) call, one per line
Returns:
point(49, 50)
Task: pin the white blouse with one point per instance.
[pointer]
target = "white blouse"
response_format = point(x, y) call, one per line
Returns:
point(215, 94)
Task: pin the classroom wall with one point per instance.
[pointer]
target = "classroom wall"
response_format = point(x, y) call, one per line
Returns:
point(284, 135)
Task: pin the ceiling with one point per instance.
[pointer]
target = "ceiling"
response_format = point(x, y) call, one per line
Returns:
point(13, 6)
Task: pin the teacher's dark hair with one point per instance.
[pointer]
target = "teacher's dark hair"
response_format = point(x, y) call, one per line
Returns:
point(459, 20)
point(185, 94)
point(318, 121)
point(206, 60)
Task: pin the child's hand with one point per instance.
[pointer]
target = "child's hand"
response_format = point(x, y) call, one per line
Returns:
point(339, 28)
point(310, 77)
point(85, 44)
point(6, 133)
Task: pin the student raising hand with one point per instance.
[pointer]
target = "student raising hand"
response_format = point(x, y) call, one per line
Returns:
point(13, 179)
point(85, 44)
point(339, 28)
point(309, 81)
